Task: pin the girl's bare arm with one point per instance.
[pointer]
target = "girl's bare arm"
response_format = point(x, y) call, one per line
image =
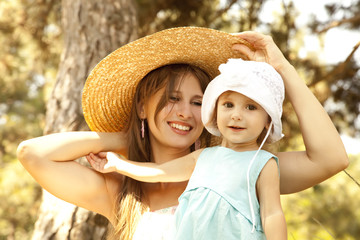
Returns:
point(176, 170)
point(268, 190)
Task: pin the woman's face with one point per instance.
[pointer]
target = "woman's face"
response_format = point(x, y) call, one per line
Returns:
point(178, 124)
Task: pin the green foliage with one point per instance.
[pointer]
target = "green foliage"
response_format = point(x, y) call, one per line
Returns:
point(29, 53)
point(345, 77)
point(329, 210)
point(159, 15)
point(27, 65)
point(20, 197)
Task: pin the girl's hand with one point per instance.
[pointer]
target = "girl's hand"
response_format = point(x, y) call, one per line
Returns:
point(264, 49)
point(103, 162)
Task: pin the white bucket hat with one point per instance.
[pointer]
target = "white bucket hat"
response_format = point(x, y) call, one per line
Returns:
point(256, 80)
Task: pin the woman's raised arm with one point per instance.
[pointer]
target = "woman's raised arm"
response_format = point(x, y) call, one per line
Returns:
point(325, 154)
point(49, 159)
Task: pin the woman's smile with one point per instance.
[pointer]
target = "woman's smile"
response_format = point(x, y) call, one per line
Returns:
point(181, 128)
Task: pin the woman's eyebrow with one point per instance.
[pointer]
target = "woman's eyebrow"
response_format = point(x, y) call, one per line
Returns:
point(198, 96)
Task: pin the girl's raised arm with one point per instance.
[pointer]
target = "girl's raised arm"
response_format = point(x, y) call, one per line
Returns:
point(176, 170)
point(325, 154)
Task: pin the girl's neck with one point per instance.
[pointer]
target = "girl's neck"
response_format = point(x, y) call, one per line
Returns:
point(240, 147)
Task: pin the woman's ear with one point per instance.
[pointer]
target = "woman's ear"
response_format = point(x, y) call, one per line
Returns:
point(141, 111)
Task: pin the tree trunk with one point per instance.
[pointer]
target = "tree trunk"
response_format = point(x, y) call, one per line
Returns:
point(91, 29)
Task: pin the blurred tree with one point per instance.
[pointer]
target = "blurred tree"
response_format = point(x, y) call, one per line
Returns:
point(327, 211)
point(343, 77)
point(27, 63)
point(23, 75)
point(19, 202)
point(91, 30)
point(159, 15)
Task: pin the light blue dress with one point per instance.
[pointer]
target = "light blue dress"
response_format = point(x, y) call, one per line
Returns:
point(215, 204)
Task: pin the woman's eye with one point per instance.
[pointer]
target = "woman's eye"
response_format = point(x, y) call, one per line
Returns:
point(174, 99)
point(197, 103)
point(251, 107)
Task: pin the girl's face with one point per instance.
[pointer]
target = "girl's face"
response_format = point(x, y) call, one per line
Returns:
point(240, 121)
point(178, 124)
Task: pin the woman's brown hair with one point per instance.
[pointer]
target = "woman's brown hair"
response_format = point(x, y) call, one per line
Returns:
point(132, 202)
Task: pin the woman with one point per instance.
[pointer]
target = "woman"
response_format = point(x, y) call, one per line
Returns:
point(171, 129)
point(233, 189)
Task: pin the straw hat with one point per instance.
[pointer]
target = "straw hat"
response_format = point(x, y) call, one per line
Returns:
point(109, 90)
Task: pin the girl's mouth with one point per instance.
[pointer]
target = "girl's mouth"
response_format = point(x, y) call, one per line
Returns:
point(236, 128)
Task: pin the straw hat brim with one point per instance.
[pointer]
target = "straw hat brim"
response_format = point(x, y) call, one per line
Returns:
point(109, 89)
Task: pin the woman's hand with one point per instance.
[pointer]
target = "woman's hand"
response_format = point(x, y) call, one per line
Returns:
point(103, 162)
point(264, 49)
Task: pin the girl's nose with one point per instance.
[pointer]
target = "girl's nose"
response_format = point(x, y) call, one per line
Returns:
point(236, 115)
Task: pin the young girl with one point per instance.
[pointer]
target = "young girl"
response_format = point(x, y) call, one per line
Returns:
point(233, 191)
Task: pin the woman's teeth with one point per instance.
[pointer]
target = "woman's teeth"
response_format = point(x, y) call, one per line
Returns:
point(180, 127)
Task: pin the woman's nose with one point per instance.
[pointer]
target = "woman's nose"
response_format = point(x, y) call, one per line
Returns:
point(183, 110)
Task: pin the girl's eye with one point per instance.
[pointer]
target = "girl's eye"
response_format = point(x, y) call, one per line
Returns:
point(251, 107)
point(228, 105)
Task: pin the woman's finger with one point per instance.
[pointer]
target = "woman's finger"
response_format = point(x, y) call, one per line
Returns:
point(245, 50)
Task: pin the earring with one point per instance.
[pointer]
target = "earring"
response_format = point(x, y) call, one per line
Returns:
point(142, 128)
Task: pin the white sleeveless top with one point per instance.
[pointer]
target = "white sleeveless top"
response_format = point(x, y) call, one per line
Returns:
point(156, 225)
